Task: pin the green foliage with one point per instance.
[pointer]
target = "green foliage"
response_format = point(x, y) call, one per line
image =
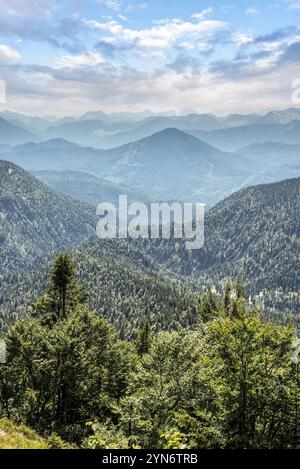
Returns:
point(105, 436)
point(226, 382)
point(144, 340)
point(230, 383)
point(169, 379)
point(36, 221)
point(254, 374)
point(174, 440)
point(61, 372)
point(64, 293)
point(55, 442)
point(125, 286)
point(209, 306)
point(253, 234)
point(19, 437)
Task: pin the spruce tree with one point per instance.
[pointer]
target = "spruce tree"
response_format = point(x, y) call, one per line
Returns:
point(208, 308)
point(64, 292)
point(144, 340)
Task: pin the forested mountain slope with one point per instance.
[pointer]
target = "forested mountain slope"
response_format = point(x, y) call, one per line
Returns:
point(254, 234)
point(125, 285)
point(88, 188)
point(35, 220)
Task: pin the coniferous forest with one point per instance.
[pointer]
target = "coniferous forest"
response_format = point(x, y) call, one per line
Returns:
point(230, 380)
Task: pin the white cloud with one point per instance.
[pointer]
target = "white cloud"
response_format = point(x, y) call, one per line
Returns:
point(138, 72)
point(136, 6)
point(163, 35)
point(268, 62)
point(114, 5)
point(203, 14)
point(7, 53)
point(159, 92)
point(240, 38)
point(252, 11)
point(87, 59)
point(122, 17)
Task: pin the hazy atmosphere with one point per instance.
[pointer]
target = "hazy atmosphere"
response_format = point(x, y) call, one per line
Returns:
point(73, 56)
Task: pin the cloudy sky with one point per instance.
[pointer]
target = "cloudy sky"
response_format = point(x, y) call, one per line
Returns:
point(69, 56)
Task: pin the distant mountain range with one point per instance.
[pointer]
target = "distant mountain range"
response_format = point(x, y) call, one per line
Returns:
point(254, 233)
point(143, 165)
point(52, 155)
point(157, 124)
point(94, 132)
point(235, 138)
point(168, 165)
point(88, 188)
point(11, 134)
point(86, 132)
point(274, 161)
point(279, 117)
point(30, 123)
point(172, 165)
point(108, 131)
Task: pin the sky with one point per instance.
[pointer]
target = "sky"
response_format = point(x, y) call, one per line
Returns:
point(73, 56)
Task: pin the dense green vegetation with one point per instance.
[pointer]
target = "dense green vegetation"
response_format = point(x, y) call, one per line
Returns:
point(125, 286)
point(253, 234)
point(228, 381)
point(36, 220)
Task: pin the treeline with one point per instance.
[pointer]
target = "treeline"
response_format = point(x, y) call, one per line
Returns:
point(125, 286)
point(229, 381)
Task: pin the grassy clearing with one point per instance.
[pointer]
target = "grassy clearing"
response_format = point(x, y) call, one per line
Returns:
point(19, 437)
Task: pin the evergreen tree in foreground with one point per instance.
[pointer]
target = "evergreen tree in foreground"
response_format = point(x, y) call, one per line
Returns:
point(144, 340)
point(65, 365)
point(64, 292)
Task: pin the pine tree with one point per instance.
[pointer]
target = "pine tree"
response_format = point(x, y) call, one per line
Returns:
point(144, 340)
point(209, 307)
point(227, 298)
point(64, 292)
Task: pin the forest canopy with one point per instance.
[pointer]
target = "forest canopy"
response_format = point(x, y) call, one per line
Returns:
point(227, 381)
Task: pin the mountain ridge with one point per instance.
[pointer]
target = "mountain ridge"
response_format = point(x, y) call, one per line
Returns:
point(35, 220)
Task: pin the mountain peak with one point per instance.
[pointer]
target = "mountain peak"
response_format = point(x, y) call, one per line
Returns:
point(170, 131)
point(58, 141)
